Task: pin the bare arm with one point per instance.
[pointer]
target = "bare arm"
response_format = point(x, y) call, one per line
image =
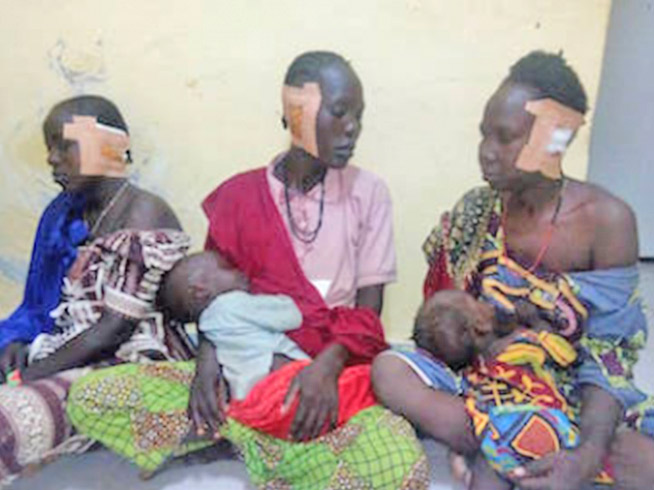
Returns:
point(92, 345)
point(317, 384)
point(371, 297)
point(317, 388)
point(442, 416)
point(208, 396)
point(600, 415)
point(104, 339)
point(615, 245)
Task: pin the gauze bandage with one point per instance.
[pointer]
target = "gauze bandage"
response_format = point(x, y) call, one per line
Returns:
point(553, 129)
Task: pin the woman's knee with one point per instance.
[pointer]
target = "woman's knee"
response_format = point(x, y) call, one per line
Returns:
point(109, 389)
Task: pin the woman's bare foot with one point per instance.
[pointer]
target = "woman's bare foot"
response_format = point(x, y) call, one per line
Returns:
point(460, 469)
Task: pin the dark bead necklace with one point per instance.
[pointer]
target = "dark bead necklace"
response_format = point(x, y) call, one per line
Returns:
point(305, 236)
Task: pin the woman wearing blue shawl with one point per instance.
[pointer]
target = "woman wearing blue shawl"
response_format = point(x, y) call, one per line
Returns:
point(101, 248)
point(569, 249)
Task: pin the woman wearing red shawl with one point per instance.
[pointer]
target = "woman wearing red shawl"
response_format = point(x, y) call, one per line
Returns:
point(311, 227)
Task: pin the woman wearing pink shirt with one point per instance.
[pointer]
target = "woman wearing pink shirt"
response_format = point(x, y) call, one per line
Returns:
point(314, 228)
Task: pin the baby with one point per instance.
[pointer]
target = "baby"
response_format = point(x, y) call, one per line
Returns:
point(509, 380)
point(246, 329)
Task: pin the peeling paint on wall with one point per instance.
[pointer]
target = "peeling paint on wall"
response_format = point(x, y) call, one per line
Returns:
point(79, 64)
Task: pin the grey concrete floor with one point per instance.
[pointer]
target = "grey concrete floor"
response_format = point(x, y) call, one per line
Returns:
point(101, 470)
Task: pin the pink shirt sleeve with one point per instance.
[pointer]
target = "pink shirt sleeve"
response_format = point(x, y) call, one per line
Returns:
point(376, 254)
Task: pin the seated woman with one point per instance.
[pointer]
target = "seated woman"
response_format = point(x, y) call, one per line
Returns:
point(311, 227)
point(569, 248)
point(247, 330)
point(100, 251)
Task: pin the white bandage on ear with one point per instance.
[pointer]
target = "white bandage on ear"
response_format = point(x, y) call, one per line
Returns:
point(560, 140)
point(554, 127)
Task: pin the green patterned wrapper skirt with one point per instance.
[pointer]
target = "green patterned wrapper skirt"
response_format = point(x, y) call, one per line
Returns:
point(140, 412)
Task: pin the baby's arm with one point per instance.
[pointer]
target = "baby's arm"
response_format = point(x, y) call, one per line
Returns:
point(527, 315)
point(485, 478)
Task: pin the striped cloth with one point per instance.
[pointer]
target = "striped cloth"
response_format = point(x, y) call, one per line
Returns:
point(121, 273)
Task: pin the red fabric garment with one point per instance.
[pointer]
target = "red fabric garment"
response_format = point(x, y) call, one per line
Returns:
point(437, 278)
point(246, 228)
point(262, 408)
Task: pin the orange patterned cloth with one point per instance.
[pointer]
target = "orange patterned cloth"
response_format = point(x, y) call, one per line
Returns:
point(121, 273)
point(518, 412)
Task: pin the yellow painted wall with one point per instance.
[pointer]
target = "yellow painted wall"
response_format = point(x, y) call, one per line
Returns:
point(199, 83)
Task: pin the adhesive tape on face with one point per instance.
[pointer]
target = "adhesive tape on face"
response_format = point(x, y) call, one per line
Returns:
point(554, 126)
point(102, 148)
point(301, 107)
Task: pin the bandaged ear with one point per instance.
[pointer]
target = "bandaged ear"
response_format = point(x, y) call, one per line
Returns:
point(301, 107)
point(103, 149)
point(554, 127)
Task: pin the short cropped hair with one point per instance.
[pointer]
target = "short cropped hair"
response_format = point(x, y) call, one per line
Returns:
point(307, 67)
point(101, 108)
point(551, 76)
point(431, 318)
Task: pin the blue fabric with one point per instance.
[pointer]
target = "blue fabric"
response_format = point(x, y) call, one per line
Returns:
point(615, 309)
point(501, 440)
point(646, 422)
point(433, 372)
point(61, 230)
point(611, 336)
point(618, 325)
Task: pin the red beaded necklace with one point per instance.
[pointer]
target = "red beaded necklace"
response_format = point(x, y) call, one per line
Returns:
point(547, 237)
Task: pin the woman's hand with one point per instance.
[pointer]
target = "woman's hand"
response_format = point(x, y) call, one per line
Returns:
point(208, 399)
point(563, 470)
point(317, 388)
point(14, 356)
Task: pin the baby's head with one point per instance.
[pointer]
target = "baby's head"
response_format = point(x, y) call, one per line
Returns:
point(195, 281)
point(453, 326)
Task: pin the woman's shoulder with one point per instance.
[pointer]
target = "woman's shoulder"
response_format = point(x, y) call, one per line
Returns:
point(598, 204)
point(147, 210)
point(363, 183)
point(243, 179)
point(612, 223)
point(234, 188)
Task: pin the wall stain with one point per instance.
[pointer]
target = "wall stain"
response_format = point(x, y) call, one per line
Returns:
point(78, 66)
